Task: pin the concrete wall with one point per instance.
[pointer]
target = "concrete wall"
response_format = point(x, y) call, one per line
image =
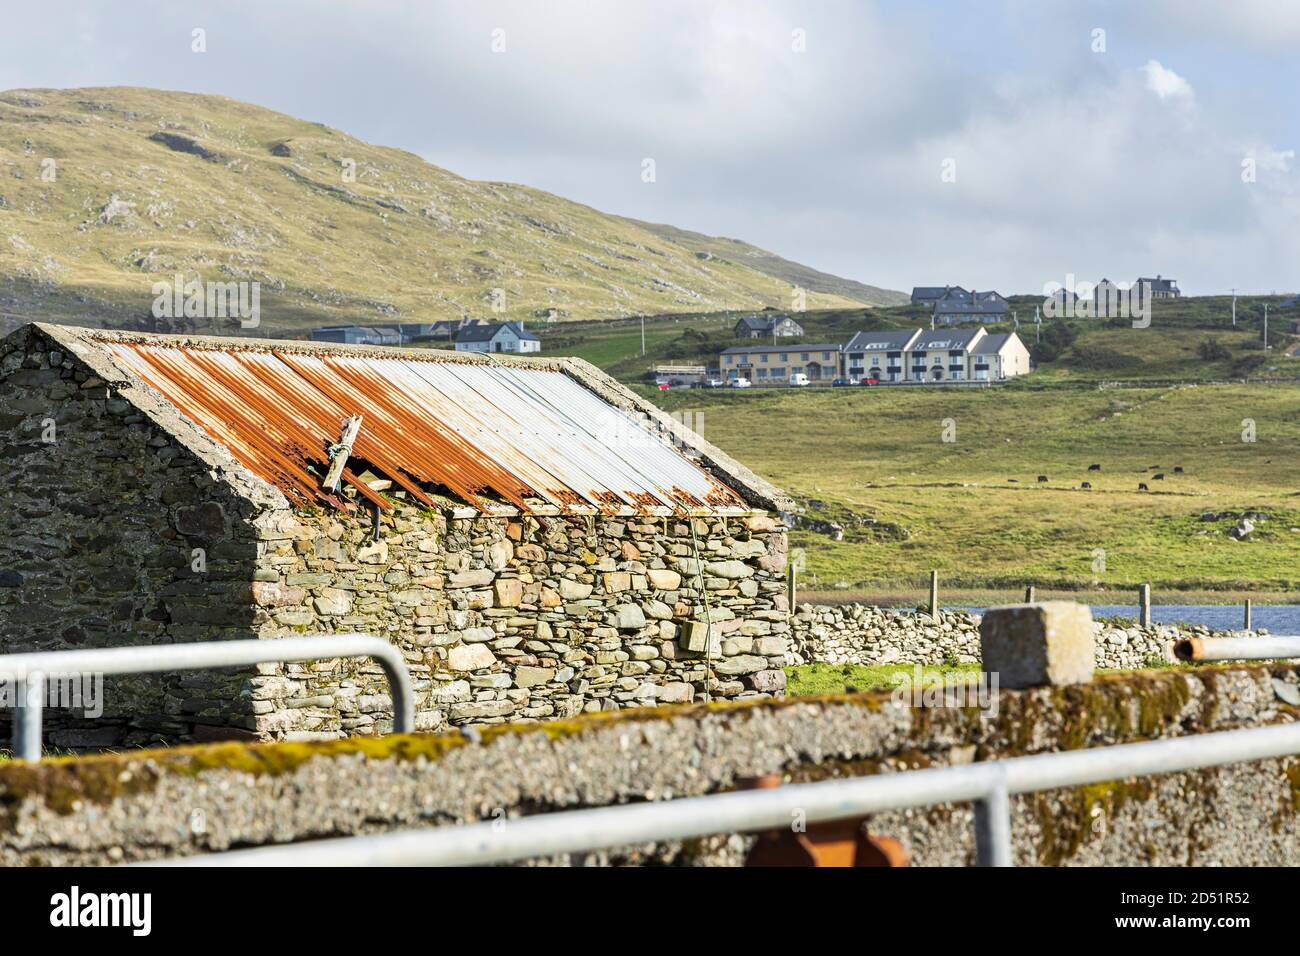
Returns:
point(141, 805)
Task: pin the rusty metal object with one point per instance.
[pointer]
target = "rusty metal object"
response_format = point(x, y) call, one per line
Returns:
point(832, 843)
point(486, 434)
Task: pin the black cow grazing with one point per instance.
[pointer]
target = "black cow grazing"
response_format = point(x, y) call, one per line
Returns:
point(1042, 477)
point(1178, 469)
point(1013, 479)
point(1086, 484)
point(1142, 486)
point(1094, 467)
point(1159, 477)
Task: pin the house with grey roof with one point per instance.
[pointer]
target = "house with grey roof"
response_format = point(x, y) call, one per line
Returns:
point(981, 307)
point(931, 294)
point(497, 337)
point(767, 326)
point(1159, 287)
point(997, 357)
point(935, 356)
point(357, 335)
point(879, 355)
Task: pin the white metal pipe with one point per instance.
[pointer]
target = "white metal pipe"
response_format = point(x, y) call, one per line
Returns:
point(1265, 648)
point(27, 717)
point(152, 658)
point(993, 825)
point(576, 831)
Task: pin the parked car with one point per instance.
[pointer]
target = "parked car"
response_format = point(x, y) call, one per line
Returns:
point(739, 383)
point(869, 381)
point(799, 380)
point(714, 383)
point(664, 386)
point(840, 383)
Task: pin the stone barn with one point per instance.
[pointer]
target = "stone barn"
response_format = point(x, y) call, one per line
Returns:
point(536, 539)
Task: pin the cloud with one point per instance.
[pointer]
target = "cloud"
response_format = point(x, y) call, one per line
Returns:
point(1067, 160)
point(1165, 83)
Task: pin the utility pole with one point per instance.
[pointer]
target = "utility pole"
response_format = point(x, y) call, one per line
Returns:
point(1234, 308)
point(1265, 326)
point(643, 336)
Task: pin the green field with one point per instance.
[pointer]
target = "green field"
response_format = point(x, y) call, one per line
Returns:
point(973, 508)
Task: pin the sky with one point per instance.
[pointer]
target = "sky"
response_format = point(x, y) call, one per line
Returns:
point(1002, 144)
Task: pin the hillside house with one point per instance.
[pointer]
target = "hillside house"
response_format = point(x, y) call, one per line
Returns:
point(776, 364)
point(535, 538)
point(766, 327)
point(1108, 298)
point(979, 307)
point(1159, 287)
point(929, 295)
point(497, 337)
point(357, 335)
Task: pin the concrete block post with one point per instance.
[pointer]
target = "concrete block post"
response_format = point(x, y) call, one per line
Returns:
point(1246, 609)
point(1144, 605)
point(1029, 594)
point(1032, 645)
point(934, 594)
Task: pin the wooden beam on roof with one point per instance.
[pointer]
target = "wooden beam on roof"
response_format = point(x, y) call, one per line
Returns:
point(339, 453)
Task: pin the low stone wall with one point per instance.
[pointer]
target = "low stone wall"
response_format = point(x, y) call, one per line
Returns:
point(151, 804)
point(864, 634)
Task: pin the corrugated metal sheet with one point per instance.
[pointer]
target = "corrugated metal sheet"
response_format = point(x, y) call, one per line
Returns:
point(486, 434)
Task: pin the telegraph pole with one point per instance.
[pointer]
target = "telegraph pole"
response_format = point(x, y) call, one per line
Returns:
point(1265, 326)
point(1234, 308)
point(643, 336)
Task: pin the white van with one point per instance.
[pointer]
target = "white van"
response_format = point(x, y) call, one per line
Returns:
point(799, 379)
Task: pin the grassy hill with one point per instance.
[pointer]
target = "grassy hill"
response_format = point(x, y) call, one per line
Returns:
point(148, 183)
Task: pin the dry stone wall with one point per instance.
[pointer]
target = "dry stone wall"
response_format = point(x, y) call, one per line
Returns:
point(520, 618)
point(114, 535)
point(862, 634)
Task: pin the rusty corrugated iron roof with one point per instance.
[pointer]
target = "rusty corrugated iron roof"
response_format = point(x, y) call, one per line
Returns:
point(487, 434)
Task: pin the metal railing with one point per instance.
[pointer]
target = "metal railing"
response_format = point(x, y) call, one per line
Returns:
point(989, 785)
point(28, 671)
point(1262, 648)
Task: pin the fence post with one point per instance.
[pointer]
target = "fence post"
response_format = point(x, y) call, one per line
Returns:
point(791, 583)
point(1029, 594)
point(1247, 610)
point(1144, 605)
point(993, 827)
point(27, 716)
point(934, 594)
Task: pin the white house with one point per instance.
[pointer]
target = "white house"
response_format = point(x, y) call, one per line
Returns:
point(497, 337)
point(998, 357)
point(936, 355)
point(878, 355)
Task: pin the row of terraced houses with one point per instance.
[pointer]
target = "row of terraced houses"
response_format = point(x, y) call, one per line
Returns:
point(918, 355)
